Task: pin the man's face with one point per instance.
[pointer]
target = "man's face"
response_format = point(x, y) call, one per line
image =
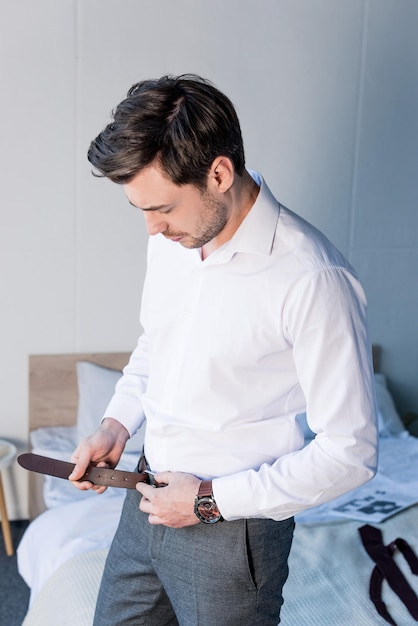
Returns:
point(181, 213)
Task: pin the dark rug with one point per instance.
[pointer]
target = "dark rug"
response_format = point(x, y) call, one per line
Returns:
point(14, 593)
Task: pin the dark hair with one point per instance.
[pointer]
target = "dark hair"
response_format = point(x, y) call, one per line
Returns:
point(182, 123)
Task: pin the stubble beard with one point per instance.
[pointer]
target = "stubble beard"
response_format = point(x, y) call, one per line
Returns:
point(214, 220)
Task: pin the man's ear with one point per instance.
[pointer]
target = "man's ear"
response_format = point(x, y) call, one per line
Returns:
point(222, 174)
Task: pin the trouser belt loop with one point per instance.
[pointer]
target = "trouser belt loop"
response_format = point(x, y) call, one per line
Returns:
point(142, 464)
point(143, 467)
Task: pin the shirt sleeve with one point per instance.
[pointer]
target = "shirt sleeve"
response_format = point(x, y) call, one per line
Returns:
point(324, 320)
point(126, 403)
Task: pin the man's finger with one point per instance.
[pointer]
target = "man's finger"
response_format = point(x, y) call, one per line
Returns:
point(145, 490)
point(79, 471)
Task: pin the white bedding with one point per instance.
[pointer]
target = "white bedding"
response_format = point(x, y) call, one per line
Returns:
point(327, 585)
point(330, 573)
point(68, 598)
point(64, 532)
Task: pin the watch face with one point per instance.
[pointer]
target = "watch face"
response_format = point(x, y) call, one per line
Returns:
point(207, 511)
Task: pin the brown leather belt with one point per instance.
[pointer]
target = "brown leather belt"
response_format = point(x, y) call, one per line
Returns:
point(101, 476)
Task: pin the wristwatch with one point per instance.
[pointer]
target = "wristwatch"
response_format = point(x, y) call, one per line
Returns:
point(205, 506)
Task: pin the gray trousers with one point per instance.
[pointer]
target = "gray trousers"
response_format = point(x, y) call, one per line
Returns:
point(229, 573)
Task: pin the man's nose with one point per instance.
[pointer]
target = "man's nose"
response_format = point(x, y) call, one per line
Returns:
point(154, 222)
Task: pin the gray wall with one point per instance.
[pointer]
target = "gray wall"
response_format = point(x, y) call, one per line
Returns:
point(327, 94)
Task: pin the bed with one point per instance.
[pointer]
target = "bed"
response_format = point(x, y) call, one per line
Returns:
point(62, 553)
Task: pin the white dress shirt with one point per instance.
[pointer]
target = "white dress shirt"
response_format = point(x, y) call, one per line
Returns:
point(273, 323)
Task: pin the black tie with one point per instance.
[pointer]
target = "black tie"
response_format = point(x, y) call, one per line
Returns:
point(386, 568)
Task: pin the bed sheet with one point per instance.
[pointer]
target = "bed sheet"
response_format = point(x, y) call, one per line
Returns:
point(330, 573)
point(69, 596)
point(327, 585)
point(61, 533)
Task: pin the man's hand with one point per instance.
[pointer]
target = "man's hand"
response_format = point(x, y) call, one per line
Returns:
point(172, 505)
point(103, 448)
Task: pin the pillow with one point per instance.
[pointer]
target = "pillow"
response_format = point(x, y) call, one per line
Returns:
point(60, 439)
point(57, 442)
point(96, 386)
point(389, 422)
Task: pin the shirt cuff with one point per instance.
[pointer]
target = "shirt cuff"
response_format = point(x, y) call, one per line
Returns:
point(125, 410)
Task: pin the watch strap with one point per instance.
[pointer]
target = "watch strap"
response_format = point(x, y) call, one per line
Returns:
point(205, 489)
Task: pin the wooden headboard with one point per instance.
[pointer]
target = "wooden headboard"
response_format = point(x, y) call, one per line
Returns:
point(53, 394)
point(53, 399)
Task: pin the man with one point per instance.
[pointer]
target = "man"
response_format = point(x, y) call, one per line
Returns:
point(250, 317)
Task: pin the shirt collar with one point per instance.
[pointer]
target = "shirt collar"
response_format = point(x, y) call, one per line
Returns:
point(255, 234)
